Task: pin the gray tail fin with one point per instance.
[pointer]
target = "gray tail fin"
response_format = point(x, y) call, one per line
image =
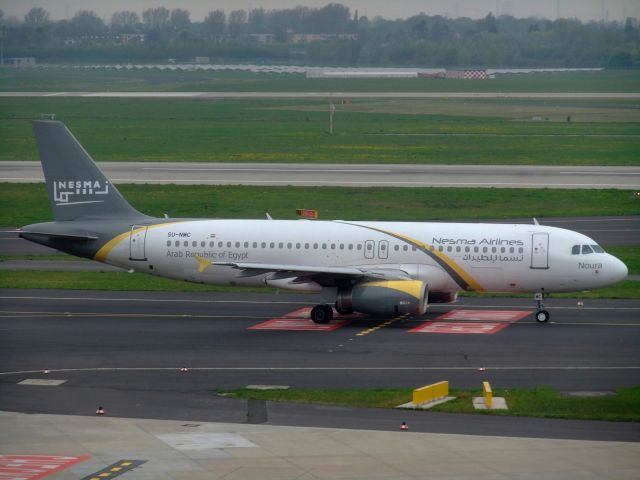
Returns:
point(77, 187)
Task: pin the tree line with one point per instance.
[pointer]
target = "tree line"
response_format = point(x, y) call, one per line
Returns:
point(330, 35)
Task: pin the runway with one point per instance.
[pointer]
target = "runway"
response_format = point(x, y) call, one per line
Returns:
point(126, 349)
point(503, 176)
point(325, 95)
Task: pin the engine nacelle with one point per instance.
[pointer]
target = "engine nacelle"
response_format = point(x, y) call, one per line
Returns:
point(388, 297)
point(443, 297)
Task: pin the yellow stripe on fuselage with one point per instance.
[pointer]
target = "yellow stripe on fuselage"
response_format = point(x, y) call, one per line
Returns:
point(105, 250)
point(473, 283)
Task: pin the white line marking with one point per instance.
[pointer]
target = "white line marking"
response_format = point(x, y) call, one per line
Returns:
point(297, 170)
point(330, 369)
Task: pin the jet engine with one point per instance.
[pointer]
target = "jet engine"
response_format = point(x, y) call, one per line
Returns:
point(389, 297)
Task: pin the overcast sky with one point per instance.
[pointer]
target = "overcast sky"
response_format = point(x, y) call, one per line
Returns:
point(582, 9)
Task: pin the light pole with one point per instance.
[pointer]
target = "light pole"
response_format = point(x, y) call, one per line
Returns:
point(3, 33)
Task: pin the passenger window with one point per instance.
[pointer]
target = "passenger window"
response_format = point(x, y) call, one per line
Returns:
point(203, 244)
point(324, 246)
point(315, 246)
point(586, 249)
point(237, 244)
point(449, 248)
point(575, 250)
point(177, 243)
point(272, 245)
point(359, 246)
point(484, 249)
point(383, 247)
point(512, 250)
point(467, 249)
point(281, 245)
point(306, 246)
point(369, 247)
point(246, 244)
point(220, 244)
point(168, 243)
point(458, 248)
point(211, 244)
point(494, 250)
point(440, 248)
point(351, 246)
point(520, 250)
point(333, 246)
point(405, 247)
point(297, 246)
point(186, 244)
point(414, 248)
point(263, 245)
point(502, 249)
point(597, 248)
point(194, 244)
point(255, 244)
point(342, 246)
point(289, 245)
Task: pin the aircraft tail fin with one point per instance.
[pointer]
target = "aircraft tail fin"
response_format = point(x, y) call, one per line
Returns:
point(77, 188)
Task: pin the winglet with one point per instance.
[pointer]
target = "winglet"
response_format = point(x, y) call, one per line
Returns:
point(203, 263)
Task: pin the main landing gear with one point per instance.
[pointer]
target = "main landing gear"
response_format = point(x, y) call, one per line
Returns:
point(542, 316)
point(322, 313)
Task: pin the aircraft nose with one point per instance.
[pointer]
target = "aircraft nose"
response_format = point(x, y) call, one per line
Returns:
point(618, 269)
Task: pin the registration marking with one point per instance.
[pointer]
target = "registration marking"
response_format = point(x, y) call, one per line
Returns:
point(34, 467)
point(299, 320)
point(472, 321)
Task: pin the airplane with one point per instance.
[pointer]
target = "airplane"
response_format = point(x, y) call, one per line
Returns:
point(377, 268)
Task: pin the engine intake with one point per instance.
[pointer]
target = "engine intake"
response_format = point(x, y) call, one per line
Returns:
point(392, 297)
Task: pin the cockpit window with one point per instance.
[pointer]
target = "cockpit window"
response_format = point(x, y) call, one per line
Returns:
point(597, 248)
point(586, 249)
point(575, 250)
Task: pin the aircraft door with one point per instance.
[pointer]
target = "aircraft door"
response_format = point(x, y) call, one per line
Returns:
point(540, 250)
point(137, 240)
point(383, 249)
point(369, 249)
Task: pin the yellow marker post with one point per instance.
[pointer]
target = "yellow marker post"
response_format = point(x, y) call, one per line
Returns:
point(488, 394)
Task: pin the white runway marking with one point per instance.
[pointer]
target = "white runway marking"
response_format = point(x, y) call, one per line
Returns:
point(267, 170)
point(328, 369)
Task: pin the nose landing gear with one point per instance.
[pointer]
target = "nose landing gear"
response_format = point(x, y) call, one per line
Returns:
point(542, 316)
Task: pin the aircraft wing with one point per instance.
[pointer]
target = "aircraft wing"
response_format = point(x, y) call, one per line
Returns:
point(252, 269)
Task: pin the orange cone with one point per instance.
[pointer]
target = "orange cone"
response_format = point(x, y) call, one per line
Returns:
point(404, 426)
point(100, 411)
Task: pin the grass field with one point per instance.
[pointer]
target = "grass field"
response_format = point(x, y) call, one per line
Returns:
point(22, 204)
point(422, 131)
point(544, 402)
point(73, 79)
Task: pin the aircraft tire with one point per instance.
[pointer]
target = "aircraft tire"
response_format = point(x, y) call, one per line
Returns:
point(321, 314)
point(542, 316)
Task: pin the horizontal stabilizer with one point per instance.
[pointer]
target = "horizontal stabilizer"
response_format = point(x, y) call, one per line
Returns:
point(70, 236)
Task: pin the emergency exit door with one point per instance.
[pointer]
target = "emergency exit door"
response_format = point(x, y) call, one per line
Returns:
point(137, 240)
point(540, 250)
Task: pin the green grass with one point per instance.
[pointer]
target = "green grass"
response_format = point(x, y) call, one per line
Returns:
point(544, 402)
point(108, 281)
point(22, 204)
point(69, 79)
point(366, 132)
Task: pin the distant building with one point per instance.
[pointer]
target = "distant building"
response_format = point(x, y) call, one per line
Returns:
point(265, 38)
point(20, 61)
point(297, 38)
point(467, 74)
point(132, 37)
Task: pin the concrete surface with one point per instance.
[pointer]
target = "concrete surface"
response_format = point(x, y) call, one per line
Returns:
point(176, 450)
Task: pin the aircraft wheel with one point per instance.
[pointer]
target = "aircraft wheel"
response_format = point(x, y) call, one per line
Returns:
point(343, 311)
point(321, 314)
point(542, 316)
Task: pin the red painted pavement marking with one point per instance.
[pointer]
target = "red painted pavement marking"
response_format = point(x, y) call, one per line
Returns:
point(454, 327)
point(485, 315)
point(33, 467)
point(299, 320)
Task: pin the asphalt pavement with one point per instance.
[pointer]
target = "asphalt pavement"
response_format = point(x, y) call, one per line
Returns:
point(378, 175)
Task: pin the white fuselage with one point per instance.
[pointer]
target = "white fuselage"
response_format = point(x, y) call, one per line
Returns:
point(449, 257)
